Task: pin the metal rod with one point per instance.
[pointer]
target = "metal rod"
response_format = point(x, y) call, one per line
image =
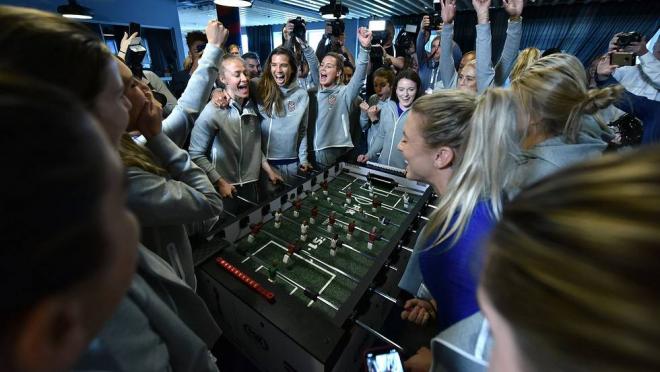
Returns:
point(377, 334)
point(247, 201)
point(384, 295)
point(406, 248)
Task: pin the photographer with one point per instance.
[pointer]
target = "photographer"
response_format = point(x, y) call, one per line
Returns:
point(196, 41)
point(333, 41)
point(643, 79)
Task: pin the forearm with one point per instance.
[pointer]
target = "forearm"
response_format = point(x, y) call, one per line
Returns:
point(485, 71)
point(313, 64)
point(447, 69)
point(509, 52)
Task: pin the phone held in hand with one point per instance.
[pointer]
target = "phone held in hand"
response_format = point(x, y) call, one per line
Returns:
point(622, 59)
point(384, 359)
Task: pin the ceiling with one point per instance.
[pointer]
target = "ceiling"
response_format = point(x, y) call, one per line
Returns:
point(194, 14)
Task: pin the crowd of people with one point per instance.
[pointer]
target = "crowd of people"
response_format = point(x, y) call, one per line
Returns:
point(540, 253)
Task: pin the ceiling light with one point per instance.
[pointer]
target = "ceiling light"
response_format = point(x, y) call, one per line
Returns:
point(235, 3)
point(74, 10)
point(334, 10)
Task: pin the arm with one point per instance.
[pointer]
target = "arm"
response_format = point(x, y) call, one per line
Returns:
point(201, 141)
point(188, 197)
point(421, 41)
point(313, 63)
point(353, 87)
point(447, 69)
point(302, 137)
point(377, 146)
point(159, 86)
point(485, 70)
point(512, 43)
point(177, 126)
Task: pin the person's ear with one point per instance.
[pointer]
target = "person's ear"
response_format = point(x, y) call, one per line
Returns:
point(444, 157)
point(51, 336)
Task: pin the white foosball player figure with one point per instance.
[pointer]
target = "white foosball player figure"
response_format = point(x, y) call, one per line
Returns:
point(372, 238)
point(303, 230)
point(314, 196)
point(288, 256)
point(406, 200)
point(371, 189)
point(278, 218)
point(333, 245)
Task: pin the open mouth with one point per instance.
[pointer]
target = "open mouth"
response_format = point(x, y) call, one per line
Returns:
point(280, 79)
point(324, 78)
point(243, 88)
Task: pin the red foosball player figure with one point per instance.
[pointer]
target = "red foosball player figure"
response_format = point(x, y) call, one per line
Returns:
point(349, 195)
point(297, 204)
point(254, 230)
point(324, 187)
point(290, 250)
point(331, 221)
point(350, 229)
point(315, 214)
point(373, 235)
point(375, 204)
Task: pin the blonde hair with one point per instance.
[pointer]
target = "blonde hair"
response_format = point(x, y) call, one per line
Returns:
point(580, 250)
point(526, 58)
point(554, 91)
point(134, 155)
point(486, 165)
point(226, 59)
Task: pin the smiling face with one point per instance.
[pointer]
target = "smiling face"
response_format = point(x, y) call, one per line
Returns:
point(280, 68)
point(382, 88)
point(467, 79)
point(418, 155)
point(329, 72)
point(253, 67)
point(405, 91)
point(234, 76)
point(112, 106)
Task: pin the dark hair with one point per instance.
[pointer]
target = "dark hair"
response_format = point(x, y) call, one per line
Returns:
point(386, 74)
point(51, 232)
point(193, 36)
point(409, 74)
point(251, 55)
point(44, 46)
point(269, 92)
point(550, 51)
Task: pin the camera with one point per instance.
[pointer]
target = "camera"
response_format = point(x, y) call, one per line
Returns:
point(378, 32)
point(435, 21)
point(337, 27)
point(200, 48)
point(299, 30)
point(626, 38)
point(134, 56)
point(405, 41)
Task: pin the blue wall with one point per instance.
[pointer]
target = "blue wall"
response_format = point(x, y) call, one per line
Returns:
point(148, 13)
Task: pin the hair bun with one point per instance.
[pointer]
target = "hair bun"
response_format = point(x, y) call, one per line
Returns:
point(598, 99)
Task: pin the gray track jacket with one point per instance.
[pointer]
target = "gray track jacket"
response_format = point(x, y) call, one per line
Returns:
point(226, 143)
point(285, 137)
point(165, 204)
point(374, 137)
point(391, 133)
point(332, 127)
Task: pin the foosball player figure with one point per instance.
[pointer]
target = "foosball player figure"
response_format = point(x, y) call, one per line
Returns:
point(297, 204)
point(278, 218)
point(349, 230)
point(375, 204)
point(272, 272)
point(315, 214)
point(324, 187)
point(254, 230)
point(338, 245)
point(316, 197)
point(303, 230)
point(349, 195)
point(371, 189)
point(331, 221)
point(288, 256)
point(333, 244)
point(406, 200)
point(373, 235)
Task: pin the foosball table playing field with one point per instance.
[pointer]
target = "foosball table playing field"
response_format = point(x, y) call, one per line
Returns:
point(301, 280)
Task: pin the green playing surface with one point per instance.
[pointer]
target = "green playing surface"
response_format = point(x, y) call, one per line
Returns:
point(312, 266)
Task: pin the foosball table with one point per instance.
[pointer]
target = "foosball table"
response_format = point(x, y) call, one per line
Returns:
point(302, 282)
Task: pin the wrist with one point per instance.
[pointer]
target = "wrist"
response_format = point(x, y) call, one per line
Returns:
point(515, 18)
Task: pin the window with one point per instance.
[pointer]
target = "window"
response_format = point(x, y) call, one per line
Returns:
point(244, 43)
point(314, 37)
point(277, 39)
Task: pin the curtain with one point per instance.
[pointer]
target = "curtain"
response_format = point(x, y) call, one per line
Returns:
point(580, 29)
point(260, 41)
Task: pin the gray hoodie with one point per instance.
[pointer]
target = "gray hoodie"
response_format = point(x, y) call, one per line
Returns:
point(553, 154)
point(165, 204)
point(391, 132)
point(374, 137)
point(285, 137)
point(226, 143)
point(332, 127)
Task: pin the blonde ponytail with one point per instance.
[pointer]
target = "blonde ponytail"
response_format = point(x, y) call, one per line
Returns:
point(134, 155)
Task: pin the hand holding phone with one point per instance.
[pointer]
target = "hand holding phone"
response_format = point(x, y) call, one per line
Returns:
point(383, 360)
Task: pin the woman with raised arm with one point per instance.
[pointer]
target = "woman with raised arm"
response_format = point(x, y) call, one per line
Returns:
point(332, 132)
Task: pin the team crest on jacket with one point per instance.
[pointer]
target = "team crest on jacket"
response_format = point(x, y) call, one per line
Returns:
point(291, 106)
point(332, 100)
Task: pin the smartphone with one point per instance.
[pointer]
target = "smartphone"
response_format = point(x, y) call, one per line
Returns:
point(133, 28)
point(383, 360)
point(622, 59)
point(377, 25)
